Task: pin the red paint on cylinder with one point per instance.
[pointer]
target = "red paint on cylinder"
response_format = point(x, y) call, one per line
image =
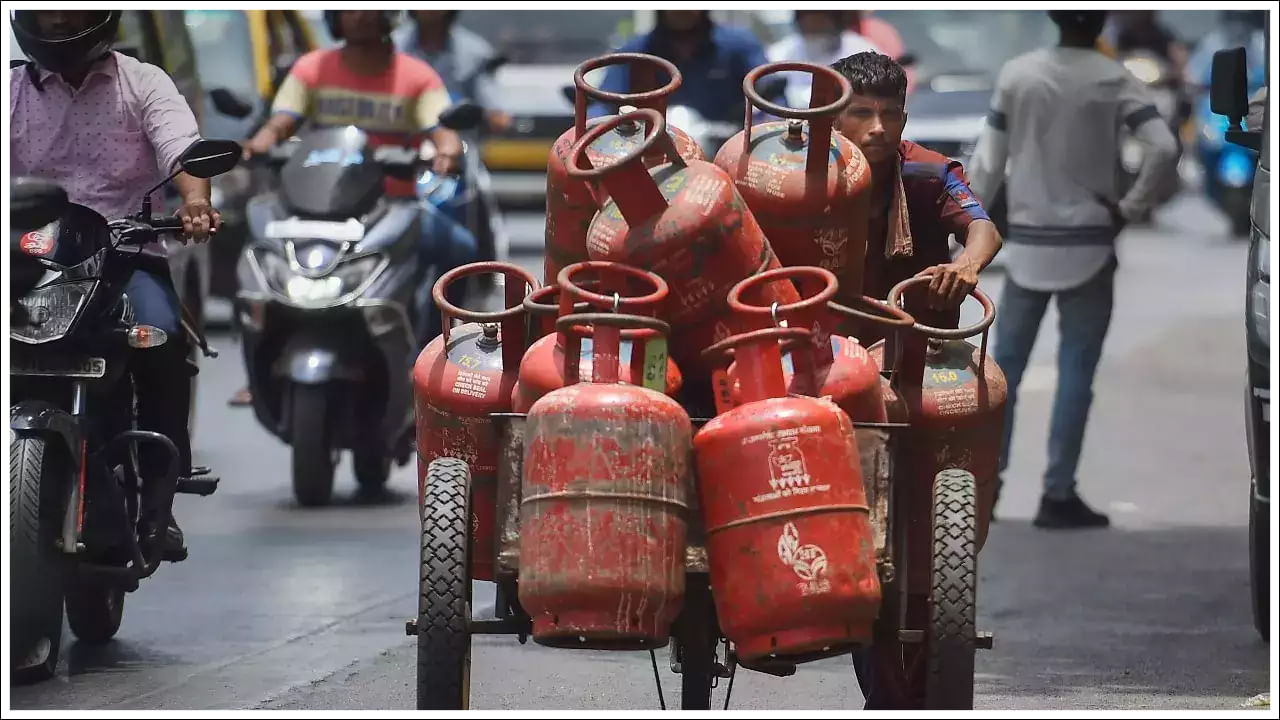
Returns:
point(808, 187)
point(570, 202)
point(586, 285)
point(793, 567)
point(683, 221)
point(604, 503)
point(954, 396)
point(461, 376)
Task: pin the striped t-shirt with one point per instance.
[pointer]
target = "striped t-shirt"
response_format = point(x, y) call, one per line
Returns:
point(396, 107)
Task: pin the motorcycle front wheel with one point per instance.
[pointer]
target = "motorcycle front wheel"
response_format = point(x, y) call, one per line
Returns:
point(38, 479)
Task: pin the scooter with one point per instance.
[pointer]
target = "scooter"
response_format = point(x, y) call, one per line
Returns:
point(329, 303)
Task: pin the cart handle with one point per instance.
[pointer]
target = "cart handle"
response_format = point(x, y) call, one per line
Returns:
point(656, 99)
point(512, 318)
point(648, 353)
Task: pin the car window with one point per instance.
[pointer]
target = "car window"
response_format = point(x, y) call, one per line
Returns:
point(538, 37)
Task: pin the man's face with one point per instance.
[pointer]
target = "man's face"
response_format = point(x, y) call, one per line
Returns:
point(430, 18)
point(816, 23)
point(59, 24)
point(361, 26)
point(875, 125)
point(682, 20)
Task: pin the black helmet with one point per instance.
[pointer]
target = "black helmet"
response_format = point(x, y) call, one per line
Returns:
point(70, 53)
point(335, 27)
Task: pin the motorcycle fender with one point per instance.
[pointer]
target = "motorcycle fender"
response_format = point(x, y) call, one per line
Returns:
point(316, 360)
point(46, 419)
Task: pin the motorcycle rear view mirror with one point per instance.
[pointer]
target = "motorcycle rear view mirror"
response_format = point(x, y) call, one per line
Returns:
point(1229, 95)
point(906, 60)
point(35, 202)
point(230, 104)
point(209, 158)
point(493, 63)
point(463, 115)
point(203, 159)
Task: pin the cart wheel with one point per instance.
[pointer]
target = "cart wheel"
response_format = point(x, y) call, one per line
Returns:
point(698, 635)
point(953, 596)
point(444, 589)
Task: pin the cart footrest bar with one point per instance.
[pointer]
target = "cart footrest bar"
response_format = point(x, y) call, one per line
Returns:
point(510, 626)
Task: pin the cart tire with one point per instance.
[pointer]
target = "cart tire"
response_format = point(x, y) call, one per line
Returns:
point(444, 589)
point(698, 637)
point(1259, 565)
point(953, 595)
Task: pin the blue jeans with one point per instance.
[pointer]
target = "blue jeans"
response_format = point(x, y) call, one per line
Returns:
point(1084, 313)
point(161, 376)
point(443, 245)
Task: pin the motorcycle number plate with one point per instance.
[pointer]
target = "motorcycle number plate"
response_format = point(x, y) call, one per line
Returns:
point(90, 367)
point(298, 229)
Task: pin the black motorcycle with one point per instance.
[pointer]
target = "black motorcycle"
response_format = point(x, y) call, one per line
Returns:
point(75, 528)
point(329, 288)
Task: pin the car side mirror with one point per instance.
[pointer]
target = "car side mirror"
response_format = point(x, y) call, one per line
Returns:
point(230, 104)
point(570, 93)
point(462, 115)
point(1229, 95)
point(493, 63)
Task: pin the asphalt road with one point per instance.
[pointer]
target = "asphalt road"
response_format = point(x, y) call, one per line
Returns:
point(281, 607)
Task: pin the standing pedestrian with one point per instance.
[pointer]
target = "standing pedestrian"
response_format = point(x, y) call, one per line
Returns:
point(1055, 121)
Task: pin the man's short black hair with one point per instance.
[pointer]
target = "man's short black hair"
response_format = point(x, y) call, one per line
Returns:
point(1080, 22)
point(874, 74)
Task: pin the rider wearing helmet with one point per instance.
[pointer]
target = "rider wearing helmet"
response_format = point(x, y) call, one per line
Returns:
point(107, 128)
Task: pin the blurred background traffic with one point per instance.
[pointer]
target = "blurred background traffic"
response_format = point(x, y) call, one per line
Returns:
point(229, 63)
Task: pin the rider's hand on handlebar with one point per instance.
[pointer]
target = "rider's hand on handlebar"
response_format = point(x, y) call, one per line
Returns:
point(199, 220)
point(257, 145)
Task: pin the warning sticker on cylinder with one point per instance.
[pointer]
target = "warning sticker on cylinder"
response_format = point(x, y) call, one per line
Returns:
point(809, 562)
point(471, 384)
point(960, 401)
point(703, 192)
point(788, 468)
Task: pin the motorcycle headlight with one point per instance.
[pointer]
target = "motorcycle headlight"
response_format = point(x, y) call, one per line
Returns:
point(50, 311)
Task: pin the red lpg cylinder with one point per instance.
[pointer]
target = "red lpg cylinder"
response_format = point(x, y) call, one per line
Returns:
point(954, 396)
point(683, 221)
point(604, 503)
point(808, 187)
point(542, 369)
point(793, 567)
point(461, 376)
point(841, 367)
point(570, 202)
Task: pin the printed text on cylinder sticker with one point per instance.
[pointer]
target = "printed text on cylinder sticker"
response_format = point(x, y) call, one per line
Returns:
point(788, 469)
point(471, 384)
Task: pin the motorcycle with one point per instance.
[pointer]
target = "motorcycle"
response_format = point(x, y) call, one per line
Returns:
point(330, 303)
point(75, 537)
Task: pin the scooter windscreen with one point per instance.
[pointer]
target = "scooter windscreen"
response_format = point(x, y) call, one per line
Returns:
point(332, 174)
